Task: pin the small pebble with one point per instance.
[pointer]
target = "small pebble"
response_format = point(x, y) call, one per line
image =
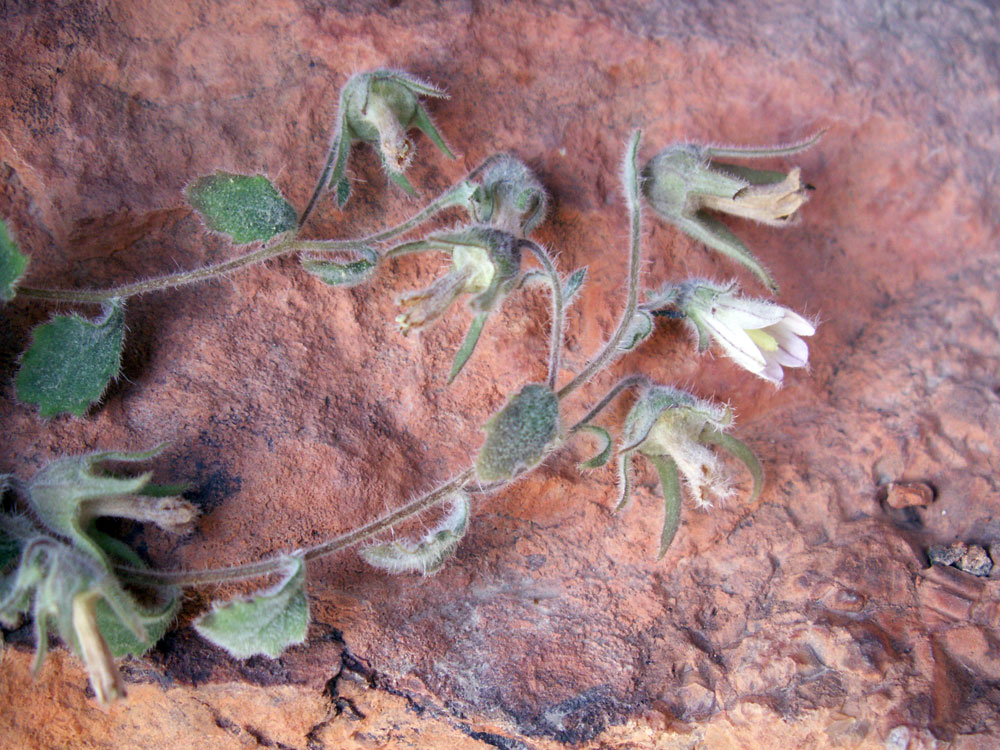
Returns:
point(970, 558)
point(909, 494)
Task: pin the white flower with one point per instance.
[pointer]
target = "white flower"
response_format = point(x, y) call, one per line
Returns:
point(760, 336)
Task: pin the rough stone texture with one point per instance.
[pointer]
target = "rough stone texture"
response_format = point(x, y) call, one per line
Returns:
point(807, 619)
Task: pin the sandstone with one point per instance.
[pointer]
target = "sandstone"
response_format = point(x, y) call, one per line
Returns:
point(806, 619)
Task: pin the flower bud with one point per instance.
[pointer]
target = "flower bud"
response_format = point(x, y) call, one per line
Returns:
point(379, 107)
point(510, 197)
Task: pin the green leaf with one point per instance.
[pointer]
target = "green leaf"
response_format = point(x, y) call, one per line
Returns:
point(740, 450)
point(753, 176)
point(12, 264)
point(468, 345)
point(670, 483)
point(604, 454)
point(519, 435)
point(343, 274)
point(246, 208)
point(15, 530)
point(428, 554)
point(122, 640)
point(266, 624)
point(71, 361)
point(573, 285)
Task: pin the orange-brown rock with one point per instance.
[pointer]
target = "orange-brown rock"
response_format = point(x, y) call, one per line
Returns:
point(807, 619)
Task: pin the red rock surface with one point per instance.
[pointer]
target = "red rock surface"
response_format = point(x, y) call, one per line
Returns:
point(807, 619)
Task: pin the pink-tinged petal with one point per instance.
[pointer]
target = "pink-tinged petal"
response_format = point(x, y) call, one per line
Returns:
point(737, 344)
point(792, 351)
point(797, 324)
point(747, 313)
point(772, 372)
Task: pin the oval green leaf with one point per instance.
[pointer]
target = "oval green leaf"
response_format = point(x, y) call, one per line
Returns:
point(519, 435)
point(248, 209)
point(71, 361)
point(266, 624)
point(12, 264)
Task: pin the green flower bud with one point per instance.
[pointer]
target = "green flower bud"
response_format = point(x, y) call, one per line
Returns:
point(509, 196)
point(379, 107)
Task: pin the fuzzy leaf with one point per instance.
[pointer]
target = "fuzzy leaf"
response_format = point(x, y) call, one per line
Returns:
point(428, 554)
point(519, 435)
point(71, 361)
point(120, 638)
point(266, 624)
point(573, 285)
point(12, 264)
point(604, 454)
point(343, 274)
point(246, 208)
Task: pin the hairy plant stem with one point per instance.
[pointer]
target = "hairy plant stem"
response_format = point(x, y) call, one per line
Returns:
point(635, 252)
point(99, 296)
point(556, 345)
point(279, 563)
point(456, 195)
point(621, 385)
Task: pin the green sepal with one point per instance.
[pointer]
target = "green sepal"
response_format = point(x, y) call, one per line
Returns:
point(248, 209)
point(428, 554)
point(740, 450)
point(573, 285)
point(422, 121)
point(706, 228)
point(670, 483)
point(400, 179)
point(343, 274)
point(604, 455)
point(520, 434)
point(749, 174)
point(12, 264)
point(468, 345)
point(267, 623)
point(639, 329)
point(71, 361)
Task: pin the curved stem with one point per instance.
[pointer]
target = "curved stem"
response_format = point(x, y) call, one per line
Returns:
point(456, 195)
point(621, 385)
point(635, 252)
point(324, 177)
point(555, 347)
point(277, 564)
